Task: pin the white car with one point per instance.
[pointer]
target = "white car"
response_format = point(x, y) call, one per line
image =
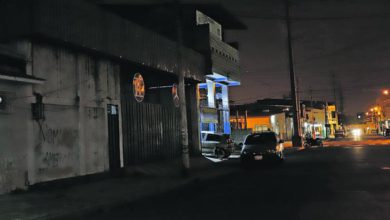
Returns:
point(216, 144)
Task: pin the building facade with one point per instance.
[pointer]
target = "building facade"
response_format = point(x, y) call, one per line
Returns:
point(84, 91)
point(214, 93)
point(202, 29)
point(318, 119)
point(263, 115)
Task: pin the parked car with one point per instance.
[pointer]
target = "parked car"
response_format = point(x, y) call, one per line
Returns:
point(217, 144)
point(339, 134)
point(262, 147)
point(310, 142)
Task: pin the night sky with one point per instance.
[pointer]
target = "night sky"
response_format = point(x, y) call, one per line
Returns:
point(349, 39)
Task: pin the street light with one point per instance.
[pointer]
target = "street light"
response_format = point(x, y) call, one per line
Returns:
point(385, 92)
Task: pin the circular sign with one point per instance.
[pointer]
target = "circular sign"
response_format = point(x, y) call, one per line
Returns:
point(175, 96)
point(138, 87)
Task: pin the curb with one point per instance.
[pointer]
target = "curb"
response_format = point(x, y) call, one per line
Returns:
point(291, 150)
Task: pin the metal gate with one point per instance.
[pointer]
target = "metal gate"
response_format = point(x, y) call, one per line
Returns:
point(150, 132)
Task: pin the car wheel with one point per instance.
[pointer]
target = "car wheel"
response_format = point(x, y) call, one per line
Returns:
point(227, 154)
point(220, 153)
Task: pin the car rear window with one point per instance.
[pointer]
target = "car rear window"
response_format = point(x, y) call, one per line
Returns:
point(213, 137)
point(261, 138)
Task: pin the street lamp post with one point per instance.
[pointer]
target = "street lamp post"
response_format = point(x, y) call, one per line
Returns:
point(382, 106)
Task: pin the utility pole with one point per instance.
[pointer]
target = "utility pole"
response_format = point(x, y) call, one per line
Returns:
point(341, 97)
point(326, 120)
point(334, 88)
point(311, 96)
point(296, 139)
point(181, 91)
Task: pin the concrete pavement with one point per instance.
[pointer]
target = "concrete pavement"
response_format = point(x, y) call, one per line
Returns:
point(67, 201)
point(72, 200)
point(358, 141)
point(320, 183)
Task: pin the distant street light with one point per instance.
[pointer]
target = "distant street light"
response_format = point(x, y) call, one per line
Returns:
point(386, 92)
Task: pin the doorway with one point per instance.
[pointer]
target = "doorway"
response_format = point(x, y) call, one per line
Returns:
point(113, 138)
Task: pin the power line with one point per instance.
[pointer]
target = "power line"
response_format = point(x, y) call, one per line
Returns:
point(320, 18)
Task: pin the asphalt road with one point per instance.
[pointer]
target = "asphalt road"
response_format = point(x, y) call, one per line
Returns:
point(344, 182)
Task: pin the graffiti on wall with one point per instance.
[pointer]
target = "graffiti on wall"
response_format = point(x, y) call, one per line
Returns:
point(59, 136)
point(56, 143)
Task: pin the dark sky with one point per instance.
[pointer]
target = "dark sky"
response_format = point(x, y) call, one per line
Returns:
point(350, 39)
point(347, 38)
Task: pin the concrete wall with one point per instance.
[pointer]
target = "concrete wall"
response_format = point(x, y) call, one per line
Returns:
point(72, 140)
point(15, 135)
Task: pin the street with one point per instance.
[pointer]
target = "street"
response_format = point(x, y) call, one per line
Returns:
point(346, 182)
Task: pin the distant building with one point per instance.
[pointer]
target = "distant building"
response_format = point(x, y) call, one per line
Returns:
point(319, 119)
point(333, 120)
point(383, 114)
point(263, 115)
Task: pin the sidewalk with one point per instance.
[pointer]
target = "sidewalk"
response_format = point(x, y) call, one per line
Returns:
point(288, 148)
point(105, 194)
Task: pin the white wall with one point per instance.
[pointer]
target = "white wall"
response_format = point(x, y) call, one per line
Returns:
point(72, 140)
